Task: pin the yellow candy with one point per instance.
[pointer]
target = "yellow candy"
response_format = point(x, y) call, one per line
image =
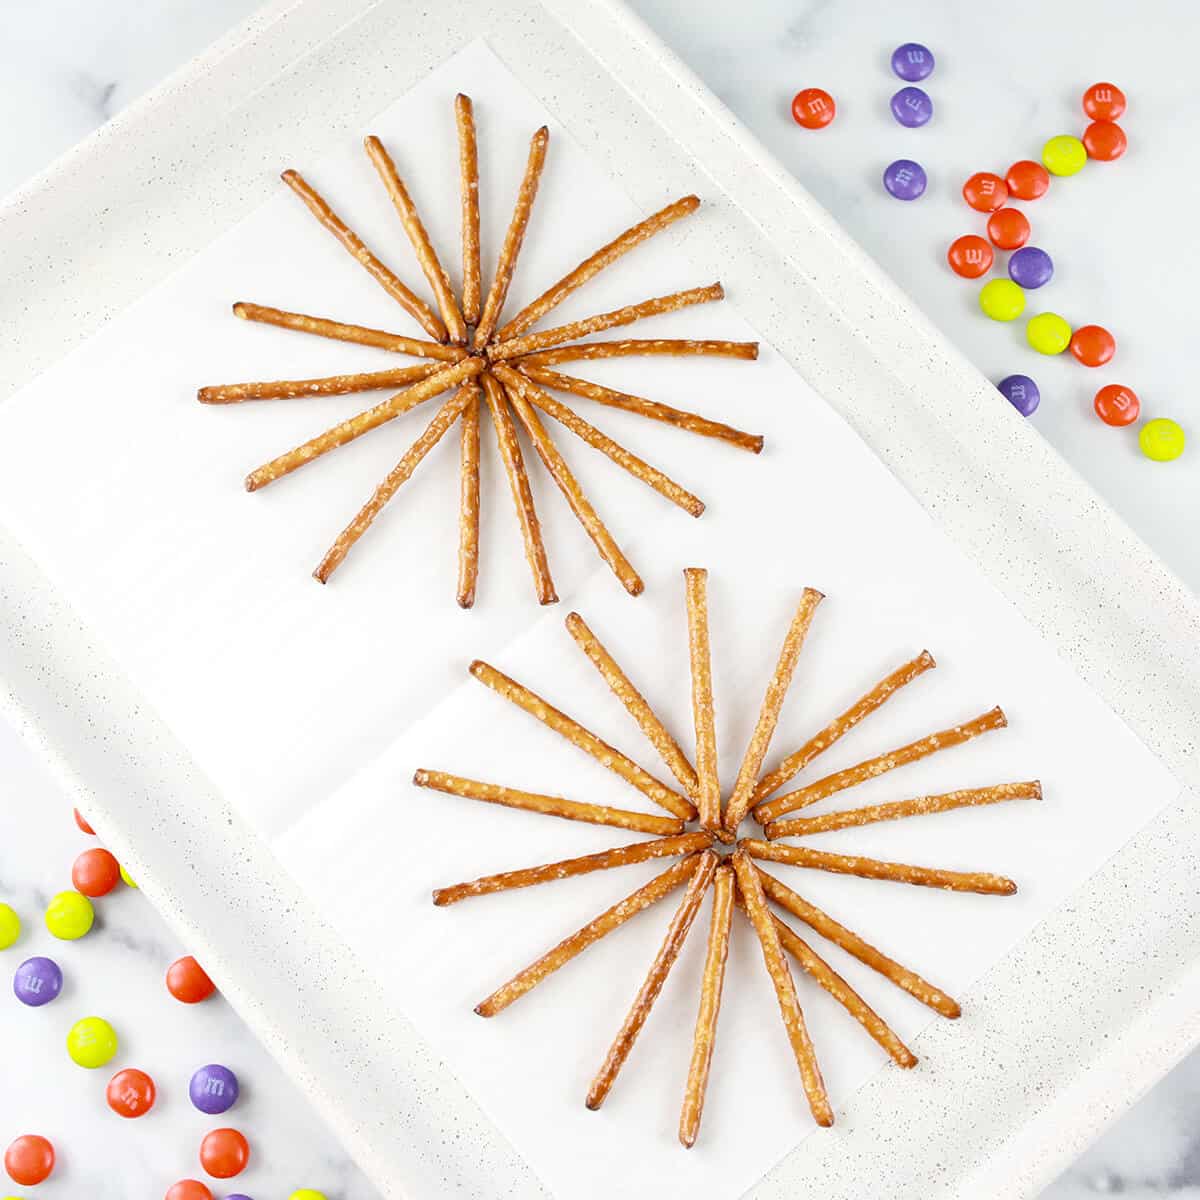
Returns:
point(1048, 333)
point(10, 926)
point(1161, 439)
point(126, 877)
point(1002, 300)
point(92, 1043)
point(1064, 155)
point(70, 916)
point(307, 1194)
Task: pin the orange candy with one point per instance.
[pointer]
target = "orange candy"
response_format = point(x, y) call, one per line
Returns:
point(969, 256)
point(1104, 141)
point(985, 192)
point(224, 1153)
point(95, 873)
point(1008, 228)
point(1027, 180)
point(188, 1189)
point(1093, 345)
point(130, 1093)
point(813, 108)
point(1117, 404)
point(188, 982)
point(29, 1160)
point(82, 823)
point(1104, 102)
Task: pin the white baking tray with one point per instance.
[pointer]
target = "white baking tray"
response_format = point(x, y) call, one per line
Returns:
point(1068, 1028)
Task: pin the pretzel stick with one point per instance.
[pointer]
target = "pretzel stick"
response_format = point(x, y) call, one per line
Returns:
point(678, 347)
point(331, 385)
point(553, 806)
point(430, 264)
point(785, 989)
point(969, 797)
point(636, 467)
point(873, 868)
point(411, 303)
point(399, 474)
point(595, 528)
point(610, 320)
point(468, 171)
point(648, 993)
point(826, 926)
point(518, 482)
point(634, 702)
point(711, 986)
point(524, 981)
point(584, 739)
point(882, 692)
point(468, 503)
point(511, 247)
point(595, 263)
point(668, 847)
point(321, 327)
point(708, 785)
point(680, 418)
point(839, 781)
point(768, 717)
point(363, 422)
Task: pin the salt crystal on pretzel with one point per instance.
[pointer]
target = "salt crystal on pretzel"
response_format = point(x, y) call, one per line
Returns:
point(468, 500)
point(468, 171)
point(626, 347)
point(329, 385)
point(708, 785)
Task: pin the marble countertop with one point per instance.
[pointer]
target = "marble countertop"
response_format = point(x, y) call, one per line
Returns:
point(1125, 246)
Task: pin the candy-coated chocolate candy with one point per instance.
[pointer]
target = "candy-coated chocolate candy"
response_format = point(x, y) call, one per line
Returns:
point(82, 823)
point(236, 1196)
point(95, 872)
point(1064, 155)
point(29, 1160)
point(1104, 141)
point(1117, 404)
point(1021, 392)
point(912, 107)
point(188, 1189)
point(213, 1089)
point(969, 256)
point(127, 879)
point(224, 1153)
point(1048, 333)
point(1161, 439)
point(1030, 267)
point(37, 981)
point(70, 916)
point(813, 108)
point(985, 192)
point(92, 1043)
point(10, 926)
point(1093, 345)
point(131, 1093)
point(307, 1194)
point(1104, 102)
point(913, 62)
point(1008, 228)
point(1002, 300)
point(1027, 180)
point(905, 179)
point(187, 981)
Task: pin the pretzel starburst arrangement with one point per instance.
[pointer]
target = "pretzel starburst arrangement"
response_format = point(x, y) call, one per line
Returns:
point(506, 367)
point(703, 860)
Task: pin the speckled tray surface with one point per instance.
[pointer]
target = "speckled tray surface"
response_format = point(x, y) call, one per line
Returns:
point(1066, 1029)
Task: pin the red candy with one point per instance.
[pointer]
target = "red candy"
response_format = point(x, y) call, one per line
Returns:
point(985, 192)
point(29, 1160)
point(1117, 404)
point(82, 823)
point(224, 1153)
point(95, 873)
point(188, 1189)
point(1027, 180)
point(1104, 141)
point(187, 981)
point(130, 1093)
point(813, 108)
point(969, 256)
point(1104, 102)
point(1093, 345)
point(1008, 228)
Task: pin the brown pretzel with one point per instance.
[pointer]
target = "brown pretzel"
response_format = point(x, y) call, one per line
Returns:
point(330, 385)
point(678, 347)
point(468, 170)
point(708, 784)
point(468, 500)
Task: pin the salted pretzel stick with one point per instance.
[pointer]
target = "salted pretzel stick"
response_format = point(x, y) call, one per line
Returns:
point(468, 502)
point(839, 781)
point(634, 702)
point(768, 716)
point(382, 275)
point(873, 868)
point(917, 807)
point(468, 171)
point(330, 385)
point(553, 806)
point(680, 418)
point(668, 847)
point(585, 740)
point(678, 347)
point(511, 246)
point(785, 989)
point(579, 504)
point(518, 482)
point(588, 433)
point(908, 981)
point(636, 902)
point(430, 264)
point(322, 327)
point(532, 342)
point(864, 706)
point(363, 422)
point(708, 784)
point(711, 985)
point(595, 263)
point(648, 993)
point(399, 474)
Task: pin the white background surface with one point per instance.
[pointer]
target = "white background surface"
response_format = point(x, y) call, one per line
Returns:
point(1120, 234)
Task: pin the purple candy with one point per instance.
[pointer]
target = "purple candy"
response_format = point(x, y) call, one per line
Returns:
point(1021, 392)
point(1030, 267)
point(912, 107)
point(912, 62)
point(237, 1196)
point(905, 179)
point(37, 981)
point(213, 1089)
